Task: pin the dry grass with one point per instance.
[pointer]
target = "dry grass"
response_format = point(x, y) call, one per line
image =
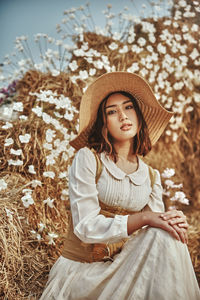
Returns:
point(25, 261)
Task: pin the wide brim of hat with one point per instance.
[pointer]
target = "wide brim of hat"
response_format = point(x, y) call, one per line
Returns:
point(156, 116)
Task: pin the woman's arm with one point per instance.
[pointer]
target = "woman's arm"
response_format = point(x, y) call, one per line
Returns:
point(90, 225)
point(153, 215)
point(154, 219)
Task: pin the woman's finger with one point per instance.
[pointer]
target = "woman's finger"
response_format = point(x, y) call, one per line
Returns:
point(183, 225)
point(171, 230)
point(172, 214)
point(177, 221)
point(182, 234)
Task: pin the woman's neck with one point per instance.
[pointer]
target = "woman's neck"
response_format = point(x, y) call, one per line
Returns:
point(124, 151)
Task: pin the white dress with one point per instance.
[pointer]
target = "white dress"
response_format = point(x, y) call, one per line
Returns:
point(151, 266)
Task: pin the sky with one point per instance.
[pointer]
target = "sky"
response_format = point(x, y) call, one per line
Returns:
point(29, 17)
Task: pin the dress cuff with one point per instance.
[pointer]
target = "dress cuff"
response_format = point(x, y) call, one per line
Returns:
point(122, 221)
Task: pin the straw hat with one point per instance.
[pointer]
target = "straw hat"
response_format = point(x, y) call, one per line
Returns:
point(155, 115)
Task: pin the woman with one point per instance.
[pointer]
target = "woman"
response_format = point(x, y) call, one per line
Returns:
point(121, 245)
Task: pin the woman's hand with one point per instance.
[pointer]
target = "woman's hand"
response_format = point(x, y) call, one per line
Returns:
point(154, 219)
point(175, 217)
point(174, 222)
point(178, 221)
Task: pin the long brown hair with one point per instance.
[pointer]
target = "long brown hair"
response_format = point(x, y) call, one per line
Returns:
point(101, 140)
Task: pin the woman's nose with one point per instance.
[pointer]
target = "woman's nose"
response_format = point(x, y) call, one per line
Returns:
point(122, 116)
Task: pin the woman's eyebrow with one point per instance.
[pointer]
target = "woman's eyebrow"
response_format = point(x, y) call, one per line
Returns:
point(113, 105)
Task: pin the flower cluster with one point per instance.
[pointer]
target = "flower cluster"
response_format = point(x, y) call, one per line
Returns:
point(170, 187)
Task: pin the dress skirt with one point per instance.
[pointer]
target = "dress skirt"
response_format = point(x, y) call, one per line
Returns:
point(151, 266)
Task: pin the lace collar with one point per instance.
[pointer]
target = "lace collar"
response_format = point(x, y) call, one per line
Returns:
point(138, 177)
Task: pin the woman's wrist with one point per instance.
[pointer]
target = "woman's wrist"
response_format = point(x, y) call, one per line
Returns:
point(145, 218)
point(136, 222)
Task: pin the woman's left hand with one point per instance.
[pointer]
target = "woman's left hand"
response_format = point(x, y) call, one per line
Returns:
point(178, 221)
point(175, 217)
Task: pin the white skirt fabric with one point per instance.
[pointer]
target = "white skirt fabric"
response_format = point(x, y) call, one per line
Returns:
point(152, 265)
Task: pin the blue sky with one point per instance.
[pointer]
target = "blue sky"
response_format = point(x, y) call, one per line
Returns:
point(28, 17)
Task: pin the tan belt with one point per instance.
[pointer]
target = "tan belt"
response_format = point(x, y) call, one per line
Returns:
point(77, 250)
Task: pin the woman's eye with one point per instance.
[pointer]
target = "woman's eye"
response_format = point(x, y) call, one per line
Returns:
point(111, 112)
point(130, 106)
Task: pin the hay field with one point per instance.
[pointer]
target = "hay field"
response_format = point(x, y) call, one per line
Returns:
point(43, 117)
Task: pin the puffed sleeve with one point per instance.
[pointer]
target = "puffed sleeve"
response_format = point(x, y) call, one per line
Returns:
point(89, 225)
point(156, 203)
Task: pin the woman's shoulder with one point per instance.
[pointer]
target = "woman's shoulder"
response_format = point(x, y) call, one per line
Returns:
point(85, 156)
point(84, 152)
point(153, 173)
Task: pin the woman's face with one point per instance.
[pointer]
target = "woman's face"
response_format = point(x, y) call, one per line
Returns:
point(122, 121)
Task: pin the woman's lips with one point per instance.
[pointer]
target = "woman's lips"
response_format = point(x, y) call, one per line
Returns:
point(126, 127)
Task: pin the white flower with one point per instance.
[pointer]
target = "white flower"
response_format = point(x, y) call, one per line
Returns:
point(36, 183)
point(47, 146)
point(98, 64)
point(141, 41)
point(150, 48)
point(113, 46)
point(178, 85)
point(79, 52)
point(136, 49)
point(65, 194)
point(124, 49)
point(174, 137)
point(167, 22)
point(41, 227)
point(49, 174)
point(169, 183)
point(55, 72)
point(196, 97)
point(167, 173)
point(92, 72)
point(37, 110)
point(175, 25)
point(116, 36)
point(46, 118)
point(194, 27)
point(133, 68)
point(189, 109)
point(63, 175)
point(152, 38)
point(51, 237)
point(27, 191)
point(68, 116)
point(8, 142)
point(15, 162)
point(9, 214)
point(50, 160)
point(180, 197)
point(27, 200)
point(50, 134)
point(49, 202)
point(7, 125)
point(161, 48)
point(3, 185)
point(31, 169)
point(25, 138)
point(73, 65)
point(182, 3)
point(23, 117)
point(194, 54)
point(37, 235)
point(83, 75)
point(16, 152)
point(18, 106)
point(143, 72)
